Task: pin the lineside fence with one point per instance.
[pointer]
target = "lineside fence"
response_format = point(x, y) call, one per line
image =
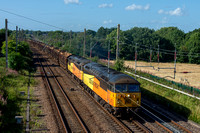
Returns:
point(179, 86)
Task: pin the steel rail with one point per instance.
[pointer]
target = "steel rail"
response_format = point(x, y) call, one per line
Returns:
point(141, 126)
point(53, 96)
point(69, 102)
point(113, 118)
point(172, 121)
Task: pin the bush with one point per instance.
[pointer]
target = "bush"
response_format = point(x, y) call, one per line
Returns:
point(95, 59)
point(119, 65)
point(20, 60)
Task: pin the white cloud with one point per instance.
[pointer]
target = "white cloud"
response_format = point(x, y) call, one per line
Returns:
point(161, 11)
point(105, 5)
point(137, 7)
point(177, 12)
point(164, 20)
point(107, 22)
point(72, 2)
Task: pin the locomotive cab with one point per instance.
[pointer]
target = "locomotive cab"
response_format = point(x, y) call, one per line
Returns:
point(127, 95)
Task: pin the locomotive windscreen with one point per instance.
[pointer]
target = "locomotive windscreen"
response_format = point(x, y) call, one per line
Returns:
point(127, 88)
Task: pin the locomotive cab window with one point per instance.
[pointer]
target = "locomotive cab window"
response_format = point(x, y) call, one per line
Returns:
point(121, 88)
point(133, 88)
point(127, 88)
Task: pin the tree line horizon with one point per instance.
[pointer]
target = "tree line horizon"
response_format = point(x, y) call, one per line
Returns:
point(148, 40)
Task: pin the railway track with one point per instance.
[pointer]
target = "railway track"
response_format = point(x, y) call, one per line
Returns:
point(119, 125)
point(123, 125)
point(132, 126)
point(166, 121)
point(69, 117)
point(51, 80)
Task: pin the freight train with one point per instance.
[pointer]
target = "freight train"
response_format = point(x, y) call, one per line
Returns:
point(117, 92)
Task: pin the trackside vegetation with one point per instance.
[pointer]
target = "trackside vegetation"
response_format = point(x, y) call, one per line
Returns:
point(21, 59)
point(11, 102)
point(167, 38)
point(173, 101)
point(14, 80)
point(147, 40)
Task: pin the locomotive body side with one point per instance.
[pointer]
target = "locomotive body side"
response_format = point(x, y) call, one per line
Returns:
point(116, 91)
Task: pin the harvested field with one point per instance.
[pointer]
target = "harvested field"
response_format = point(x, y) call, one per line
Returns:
point(188, 74)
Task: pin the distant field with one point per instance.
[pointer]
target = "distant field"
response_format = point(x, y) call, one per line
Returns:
point(188, 74)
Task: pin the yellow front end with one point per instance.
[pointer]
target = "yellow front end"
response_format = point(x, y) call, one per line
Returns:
point(70, 67)
point(127, 99)
point(124, 99)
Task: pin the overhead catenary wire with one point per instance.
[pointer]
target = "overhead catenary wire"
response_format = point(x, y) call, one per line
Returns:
point(50, 25)
point(164, 51)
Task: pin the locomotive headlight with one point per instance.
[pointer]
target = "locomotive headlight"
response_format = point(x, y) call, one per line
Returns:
point(128, 95)
point(118, 101)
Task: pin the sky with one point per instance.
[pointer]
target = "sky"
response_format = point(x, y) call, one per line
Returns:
point(76, 15)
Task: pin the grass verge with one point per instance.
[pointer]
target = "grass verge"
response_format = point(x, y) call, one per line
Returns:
point(174, 101)
point(11, 102)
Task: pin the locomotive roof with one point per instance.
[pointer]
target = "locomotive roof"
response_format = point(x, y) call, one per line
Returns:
point(79, 60)
point(114, 77)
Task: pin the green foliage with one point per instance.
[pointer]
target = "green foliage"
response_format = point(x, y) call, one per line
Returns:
point(103, 32)
point(18, 62)
point(145, 38)
point(193, 45)
point(91, 33)
point(119, 65)
point(22, 60)
point(179, 103)
point(173, 34)
point(10, 85)
point(95, 59)
point(11, 47)
point(2, 36)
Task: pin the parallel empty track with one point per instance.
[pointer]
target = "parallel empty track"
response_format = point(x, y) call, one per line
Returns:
point(70, 119)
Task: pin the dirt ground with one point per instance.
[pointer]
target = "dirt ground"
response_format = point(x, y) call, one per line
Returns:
point(188, 74)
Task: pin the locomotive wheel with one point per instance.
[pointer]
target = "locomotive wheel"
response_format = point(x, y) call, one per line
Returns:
point(102, 102)
point(108, 108)
point(97, 98)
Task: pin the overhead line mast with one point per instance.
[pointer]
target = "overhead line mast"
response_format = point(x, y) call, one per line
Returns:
point(84, 42)
point(6, 37)
point(117, 49)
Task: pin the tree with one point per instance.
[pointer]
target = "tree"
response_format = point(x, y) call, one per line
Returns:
point(119, 65)
point(112, 39)
point(21, 60)
point(2, 36)
point(11, 47)
point(101, 32)
point(91, 33)
point(16, 61)
point(22, 48)
point(173, 34)
point(193, 47)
